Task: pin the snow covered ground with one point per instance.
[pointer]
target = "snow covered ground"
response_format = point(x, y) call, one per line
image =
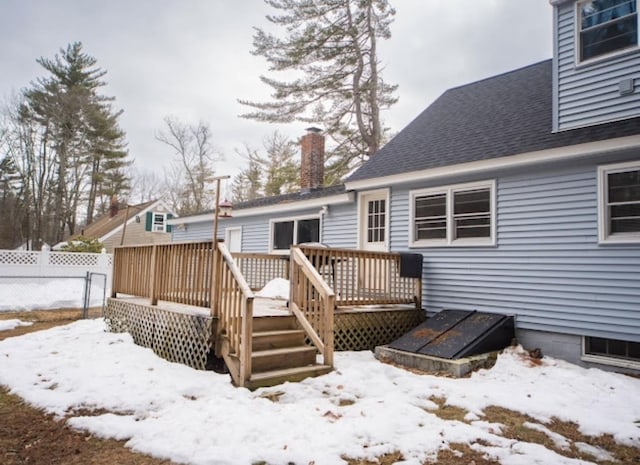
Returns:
point(8, 325)
point(25, 294)
point(362, 409)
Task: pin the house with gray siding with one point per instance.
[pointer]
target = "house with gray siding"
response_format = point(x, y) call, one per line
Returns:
point(521, 191)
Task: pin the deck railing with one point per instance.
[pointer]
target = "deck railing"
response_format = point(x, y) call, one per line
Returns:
point(312, 301)
point(183, 273)
point(260, 268)
point(360, 277)
point(132, 270)
point(176, 272)
point(234, 309)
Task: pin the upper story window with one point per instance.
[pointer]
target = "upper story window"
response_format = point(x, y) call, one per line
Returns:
point(455, 215)
point(606, 26)
point(619, 203)
point(157, 222)
point(294, 231)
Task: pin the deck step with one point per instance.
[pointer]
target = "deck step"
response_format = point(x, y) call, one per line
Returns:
point(265, 340)
point(274, 323)
point(285, 357)
point(273, 377)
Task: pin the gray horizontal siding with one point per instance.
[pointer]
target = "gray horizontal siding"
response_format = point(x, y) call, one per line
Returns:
point(192, 232)
point(588, 94)
point(547, 267)
point(339, 226)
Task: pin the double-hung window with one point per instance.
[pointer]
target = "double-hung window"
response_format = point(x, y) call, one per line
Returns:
point(454, 215)
point(606, 26)
point(285, 233)
point(157, 222)
point(619, 202)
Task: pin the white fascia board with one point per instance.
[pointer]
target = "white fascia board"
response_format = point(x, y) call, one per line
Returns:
point(318, 202)
point(512, 161)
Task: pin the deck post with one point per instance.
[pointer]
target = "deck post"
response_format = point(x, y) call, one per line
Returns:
point(215, 280)
point(153, 292)
point(115, 273)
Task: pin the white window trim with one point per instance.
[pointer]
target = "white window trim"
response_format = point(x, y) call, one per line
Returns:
point(361, 213)
point(295, 220)
point(153, 222)
point(604, 360)
point(607, 56)
point(603, 217)
point(449, 191)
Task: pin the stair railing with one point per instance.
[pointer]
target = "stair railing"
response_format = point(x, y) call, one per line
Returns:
point(312, 302)
point(234, 309)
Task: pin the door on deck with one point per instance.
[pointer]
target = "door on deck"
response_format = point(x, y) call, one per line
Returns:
point(373, 218)
point(233, 238)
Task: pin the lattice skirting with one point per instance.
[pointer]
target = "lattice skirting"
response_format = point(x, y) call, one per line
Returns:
point(366, 330)
point(176, 337)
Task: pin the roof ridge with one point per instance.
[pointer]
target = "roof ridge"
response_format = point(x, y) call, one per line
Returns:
point(496, 76)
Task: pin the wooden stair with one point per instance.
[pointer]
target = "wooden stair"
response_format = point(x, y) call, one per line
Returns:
point(279, 353)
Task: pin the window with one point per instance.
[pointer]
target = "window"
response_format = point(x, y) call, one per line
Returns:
point(376, 220)
point(606, 26)
point(611, 349)
point(455, 215)
point(157, 222)
point(619, 213)
point(294, 231)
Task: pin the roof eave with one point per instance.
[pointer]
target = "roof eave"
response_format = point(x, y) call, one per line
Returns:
point(512, 161)
point(318, 202)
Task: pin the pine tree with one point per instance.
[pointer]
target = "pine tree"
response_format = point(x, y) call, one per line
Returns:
point(64, 139)
point(282, 173)
point(332, 46)
point(273, 173)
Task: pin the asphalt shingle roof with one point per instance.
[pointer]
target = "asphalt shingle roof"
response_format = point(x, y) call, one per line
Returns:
point(500, 116)
point(107, 223)
point(285, 198)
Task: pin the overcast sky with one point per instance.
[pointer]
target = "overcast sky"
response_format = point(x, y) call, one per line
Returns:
point(191, 58)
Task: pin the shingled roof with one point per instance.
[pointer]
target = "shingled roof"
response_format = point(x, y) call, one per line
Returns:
point(500, 116)
point(107, 223)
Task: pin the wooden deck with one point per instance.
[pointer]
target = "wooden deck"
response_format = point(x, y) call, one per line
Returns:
point(187, 301)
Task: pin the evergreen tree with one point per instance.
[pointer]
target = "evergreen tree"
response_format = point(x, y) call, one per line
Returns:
point(247, 185)
point(63, 137)
point(332, 46)
point(275, 172)
point(282, 173)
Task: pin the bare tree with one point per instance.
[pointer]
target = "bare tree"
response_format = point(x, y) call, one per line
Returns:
point(145, 185)
point(192, 171)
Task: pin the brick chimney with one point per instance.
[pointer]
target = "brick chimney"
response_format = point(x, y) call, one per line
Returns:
point(113, 208)
point(312, 163)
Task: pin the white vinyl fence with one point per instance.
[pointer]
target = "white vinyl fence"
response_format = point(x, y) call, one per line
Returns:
point(30, 279)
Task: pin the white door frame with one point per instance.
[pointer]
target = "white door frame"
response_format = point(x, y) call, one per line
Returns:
point(227, 237)
point(363, 202)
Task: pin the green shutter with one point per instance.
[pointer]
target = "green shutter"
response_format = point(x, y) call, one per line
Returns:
point(169, 216)
point(149, 221)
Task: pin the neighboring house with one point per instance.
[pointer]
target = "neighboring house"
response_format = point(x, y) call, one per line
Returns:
point(146, 224)
point(522, 192)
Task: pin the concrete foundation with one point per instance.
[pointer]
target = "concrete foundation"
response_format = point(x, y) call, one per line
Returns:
point(457, 368)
